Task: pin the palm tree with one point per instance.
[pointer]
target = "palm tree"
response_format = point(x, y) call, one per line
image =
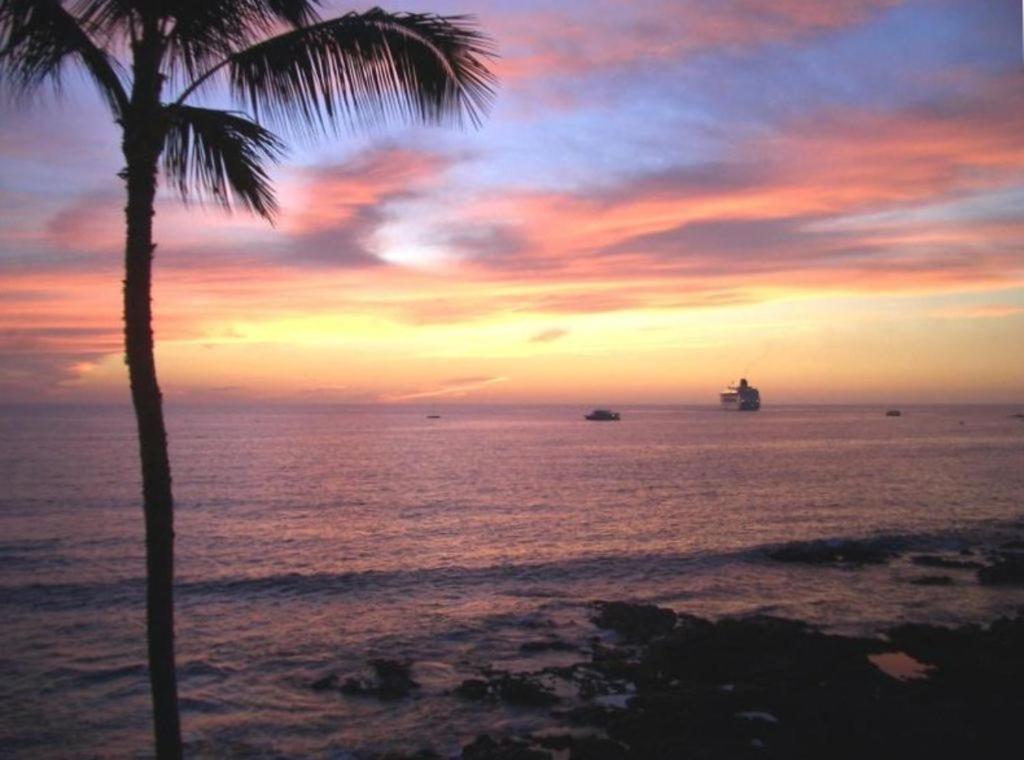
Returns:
point(288, 68)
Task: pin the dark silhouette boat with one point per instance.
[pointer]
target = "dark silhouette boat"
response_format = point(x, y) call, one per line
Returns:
point(893, 413)
point(743, 397)
point(602, 415)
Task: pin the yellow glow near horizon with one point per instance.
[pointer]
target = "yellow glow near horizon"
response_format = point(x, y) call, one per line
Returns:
point(795, 351)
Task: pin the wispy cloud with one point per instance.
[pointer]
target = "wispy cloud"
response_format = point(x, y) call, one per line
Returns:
point(454, 388)
point(985, 311)
point(549, 336)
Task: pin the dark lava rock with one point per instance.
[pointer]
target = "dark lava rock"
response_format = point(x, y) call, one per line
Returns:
point(565, 672)
point(934, 560)
point(758, 649)
point(548, 645)
point(971, 657)
point(824, 692)
point(832, 552)
point(537, 623)
point(394, 674)
point(523, 691)
point(588, 715)
point(594, 682)
point(393, 681)
point(596, 748)
point(613, 662)
point(359, 687)
point(557, 741)
point(486, 748)
point(764, 687)
point(513, 689)
point(473, 689)
point(329, 681)
point(933, 580)
point(636, 623)
point(1008, 571)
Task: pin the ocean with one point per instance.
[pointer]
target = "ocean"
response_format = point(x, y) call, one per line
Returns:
point(313, 539)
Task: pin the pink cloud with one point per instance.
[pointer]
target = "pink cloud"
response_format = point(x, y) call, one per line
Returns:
point(616, 33)
point(776, 207)
point(329, 197)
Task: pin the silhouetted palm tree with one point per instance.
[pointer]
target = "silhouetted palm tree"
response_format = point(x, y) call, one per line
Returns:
point(287, 67)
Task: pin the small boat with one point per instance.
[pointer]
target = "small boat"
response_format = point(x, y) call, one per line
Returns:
point(433, 416)
point(602, 415)
point(742, 397)
point(893, 413)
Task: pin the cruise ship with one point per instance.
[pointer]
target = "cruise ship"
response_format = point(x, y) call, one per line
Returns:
point(743, 397)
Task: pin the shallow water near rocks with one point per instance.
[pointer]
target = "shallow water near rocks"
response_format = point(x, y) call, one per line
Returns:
point(900, 665)
point(313, 540)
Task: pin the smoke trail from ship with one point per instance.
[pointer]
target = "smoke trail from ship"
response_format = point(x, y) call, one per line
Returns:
point(761, 357)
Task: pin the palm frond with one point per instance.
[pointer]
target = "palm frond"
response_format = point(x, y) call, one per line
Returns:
point(220, 156)
point(37, 37)
point(197, 33)
point(110, 13)
point(203, 31)
point(363, 68)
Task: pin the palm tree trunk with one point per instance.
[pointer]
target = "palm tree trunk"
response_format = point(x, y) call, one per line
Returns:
point(140, 176)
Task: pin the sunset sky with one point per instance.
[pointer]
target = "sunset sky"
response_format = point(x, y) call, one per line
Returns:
point(824, 196)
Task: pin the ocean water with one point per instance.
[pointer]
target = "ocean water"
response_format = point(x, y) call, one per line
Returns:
point(313, 539)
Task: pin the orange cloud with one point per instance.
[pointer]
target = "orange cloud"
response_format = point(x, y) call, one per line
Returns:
point(780, 208)
point(329, 197)
point(547, 336)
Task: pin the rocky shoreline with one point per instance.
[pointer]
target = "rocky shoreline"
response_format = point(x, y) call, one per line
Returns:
point(669, 685)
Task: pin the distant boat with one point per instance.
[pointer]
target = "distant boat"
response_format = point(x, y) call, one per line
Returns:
point(602, 415)
point(433, 416)
point(743, 397)
point(893, 413)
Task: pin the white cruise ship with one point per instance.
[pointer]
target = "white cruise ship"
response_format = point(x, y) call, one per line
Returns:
point(742, 397)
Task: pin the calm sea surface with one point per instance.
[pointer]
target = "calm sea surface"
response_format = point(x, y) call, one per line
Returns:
point(311, 540)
